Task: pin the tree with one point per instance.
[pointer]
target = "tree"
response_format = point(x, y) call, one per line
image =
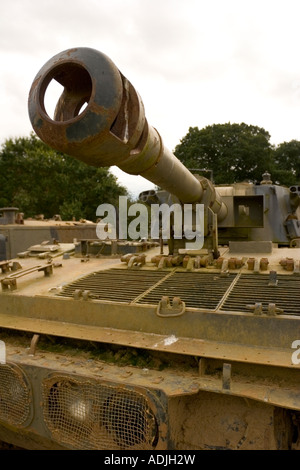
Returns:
point(232, 152)
point(39, 180)
point(287, 162)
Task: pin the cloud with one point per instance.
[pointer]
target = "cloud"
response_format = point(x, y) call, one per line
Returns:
point(194, 62)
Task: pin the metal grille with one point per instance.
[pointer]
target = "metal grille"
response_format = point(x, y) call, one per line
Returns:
point(250, 289)
point(14, 396)
point(118, 285)
point(87, 415)
point(232, 292)
point(197, 290)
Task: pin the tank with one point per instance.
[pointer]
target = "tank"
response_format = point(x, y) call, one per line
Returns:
point(192, 345)
point(22, 237)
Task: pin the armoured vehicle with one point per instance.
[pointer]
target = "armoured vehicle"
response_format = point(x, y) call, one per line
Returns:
point(24, 237)
point(17, 233)
point(179, 348)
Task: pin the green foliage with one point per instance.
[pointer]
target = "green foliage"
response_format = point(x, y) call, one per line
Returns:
point(232, 152)
point(39, 180)
point(287, 161)
point(71, 209)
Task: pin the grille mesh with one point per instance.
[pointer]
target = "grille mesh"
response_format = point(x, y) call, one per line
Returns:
point(118, 285)
point(232, 292)
point(14, 396)
point(87, 415)
point(197, 290)
point(250, 289)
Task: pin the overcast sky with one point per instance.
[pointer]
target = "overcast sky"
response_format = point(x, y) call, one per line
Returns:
point(193, 62)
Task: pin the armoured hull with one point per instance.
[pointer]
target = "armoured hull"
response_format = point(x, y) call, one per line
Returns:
point(174, 357)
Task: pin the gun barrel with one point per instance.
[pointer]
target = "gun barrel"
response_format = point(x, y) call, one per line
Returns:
point(100, 119)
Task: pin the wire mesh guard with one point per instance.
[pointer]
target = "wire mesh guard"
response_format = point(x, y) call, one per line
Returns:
point(14, 396)
point(86, 415)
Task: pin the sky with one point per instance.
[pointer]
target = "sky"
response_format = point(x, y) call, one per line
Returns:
point(194, 63)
